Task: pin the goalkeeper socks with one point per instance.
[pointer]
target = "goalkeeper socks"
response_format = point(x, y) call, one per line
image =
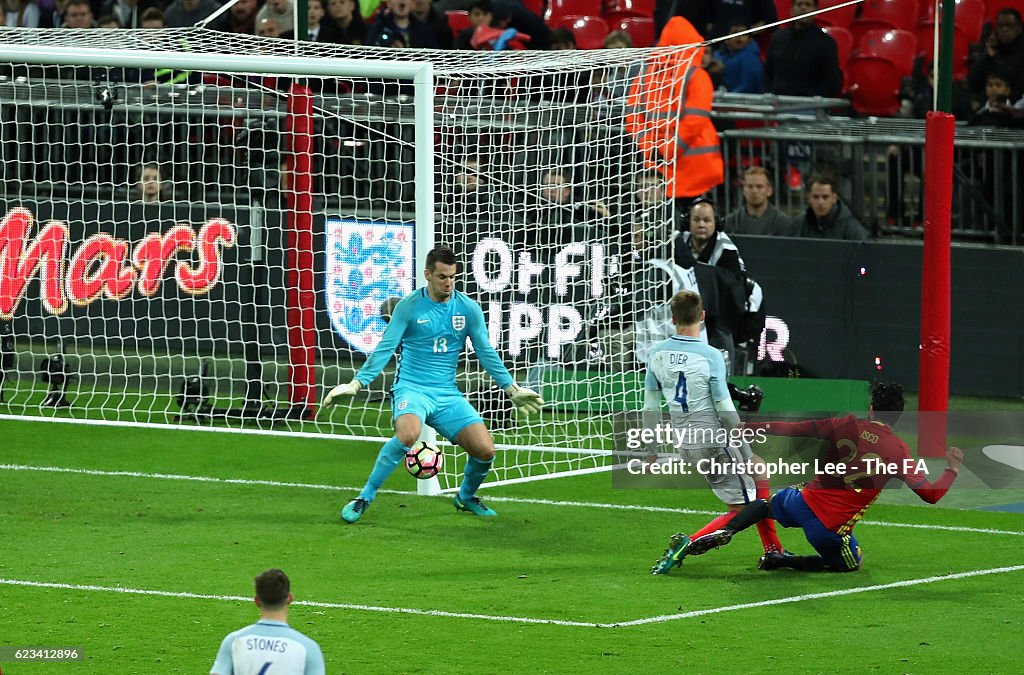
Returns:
point(388, 458)
point(476, 471)
point(716, 524)
point(766, 527)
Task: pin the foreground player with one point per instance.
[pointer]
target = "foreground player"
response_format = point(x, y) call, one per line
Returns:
point(831, 504)
point(690, 375)
point(270, 645)
point(431, 325)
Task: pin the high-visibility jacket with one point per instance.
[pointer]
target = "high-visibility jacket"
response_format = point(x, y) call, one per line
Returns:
point(669, 114)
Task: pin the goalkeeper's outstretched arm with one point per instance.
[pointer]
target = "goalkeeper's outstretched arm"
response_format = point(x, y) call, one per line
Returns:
point(525, 400)
point(393, 334)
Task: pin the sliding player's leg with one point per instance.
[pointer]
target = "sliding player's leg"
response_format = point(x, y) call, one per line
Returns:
point(457, 419)
point(765, 528)
point(733, 488)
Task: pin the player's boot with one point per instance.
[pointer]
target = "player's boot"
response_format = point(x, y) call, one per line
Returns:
point(702, 545)
point(474, 506)
point(773, 560)
point(674, 554)
point(354, 510)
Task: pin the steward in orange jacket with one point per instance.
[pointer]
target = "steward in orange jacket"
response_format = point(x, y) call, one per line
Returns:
point(669, 114)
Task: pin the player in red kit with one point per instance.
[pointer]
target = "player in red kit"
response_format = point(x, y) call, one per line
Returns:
point(865, 454)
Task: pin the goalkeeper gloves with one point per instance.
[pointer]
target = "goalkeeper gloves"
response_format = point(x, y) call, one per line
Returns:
point(526, 401)
point(348, 389)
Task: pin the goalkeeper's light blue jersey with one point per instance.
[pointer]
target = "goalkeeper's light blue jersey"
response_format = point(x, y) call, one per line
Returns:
point(432, 336)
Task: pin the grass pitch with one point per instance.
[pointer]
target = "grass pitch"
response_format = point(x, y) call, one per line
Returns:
point(146, 551)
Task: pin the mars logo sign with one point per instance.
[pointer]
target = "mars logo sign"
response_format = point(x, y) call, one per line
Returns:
point(103, 265)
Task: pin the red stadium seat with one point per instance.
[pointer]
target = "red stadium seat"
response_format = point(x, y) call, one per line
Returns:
point(840, 17)
point(783, 8)
point(640, 28)
point(875, 86)
point(899, 46)
point(535, 6)
point(559, 8)
point(844, 45)
point(458, 20)
point(621, 8)
point(590, 31)
point(961, 46)
point(900, 13)
point(970, 16)
point(862, 26)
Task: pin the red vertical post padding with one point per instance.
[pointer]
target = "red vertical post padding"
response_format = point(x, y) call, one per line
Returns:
point(301, 296)
point(933, 396)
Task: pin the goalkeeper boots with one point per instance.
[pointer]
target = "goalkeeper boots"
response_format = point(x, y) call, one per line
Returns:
point(678, 546)
point(354, 510)
point(702, 545)
point(773, 560)
point(474, 506)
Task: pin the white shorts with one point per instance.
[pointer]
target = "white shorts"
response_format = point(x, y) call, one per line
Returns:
point(730, 487)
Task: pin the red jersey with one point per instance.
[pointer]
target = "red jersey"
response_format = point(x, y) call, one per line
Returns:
point(870, 455)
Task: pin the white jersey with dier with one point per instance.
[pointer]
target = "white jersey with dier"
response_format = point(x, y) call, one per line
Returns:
point(690, 374)
point(268, 648)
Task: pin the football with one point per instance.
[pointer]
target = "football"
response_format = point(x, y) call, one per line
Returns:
point(424, 460)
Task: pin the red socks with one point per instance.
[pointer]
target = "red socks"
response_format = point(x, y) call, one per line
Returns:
point(766, 527)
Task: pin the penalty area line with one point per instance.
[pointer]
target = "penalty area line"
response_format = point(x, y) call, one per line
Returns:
point(818, 596)
point(491, 498)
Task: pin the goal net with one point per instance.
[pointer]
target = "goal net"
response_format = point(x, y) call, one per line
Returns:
point(204, 228)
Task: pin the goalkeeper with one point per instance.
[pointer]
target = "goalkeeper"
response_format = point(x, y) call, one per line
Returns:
point(431, 325)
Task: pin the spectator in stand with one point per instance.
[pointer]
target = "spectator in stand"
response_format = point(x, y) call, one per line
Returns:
point(512, 14)
point(240, 18)
point(21, 13)
point(349, 21)
point(108, 21)
point(128, 12)
point(720, 271)
point(612, 83)
point(827, 217)
point(78, 14)
point(153, 18)
point(726, 15)
point(1004, 52)
point(397, 27)
point(562, 39)
point(999, 106)
point(737, 64)
point(278, 10)
point(472, 196)
point(481, 13)
point(683, 147)
point(149, 184)
point(758, 215)
point(186, 13)
point(317, 28)
point(268, 27)
point(438, 21)
point(558, 205)
point(802, 60)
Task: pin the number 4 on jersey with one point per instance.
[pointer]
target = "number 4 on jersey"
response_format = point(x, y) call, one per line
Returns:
point(680, 397)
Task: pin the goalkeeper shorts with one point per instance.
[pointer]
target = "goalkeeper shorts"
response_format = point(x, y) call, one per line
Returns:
point(446, 410)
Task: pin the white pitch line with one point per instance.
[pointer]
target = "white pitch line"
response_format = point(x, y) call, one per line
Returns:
point(492, 498)
point(521, 619)
point(307, 603)
point(816, 596)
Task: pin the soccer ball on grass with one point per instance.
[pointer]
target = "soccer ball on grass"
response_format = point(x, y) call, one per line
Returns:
point(424, 460)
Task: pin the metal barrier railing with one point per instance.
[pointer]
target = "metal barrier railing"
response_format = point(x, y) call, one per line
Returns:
point(880, 165)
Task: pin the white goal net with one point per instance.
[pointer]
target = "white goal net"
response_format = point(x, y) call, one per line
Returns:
point(202, 228)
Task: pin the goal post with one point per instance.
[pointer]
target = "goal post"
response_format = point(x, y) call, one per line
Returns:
point(307, 184)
